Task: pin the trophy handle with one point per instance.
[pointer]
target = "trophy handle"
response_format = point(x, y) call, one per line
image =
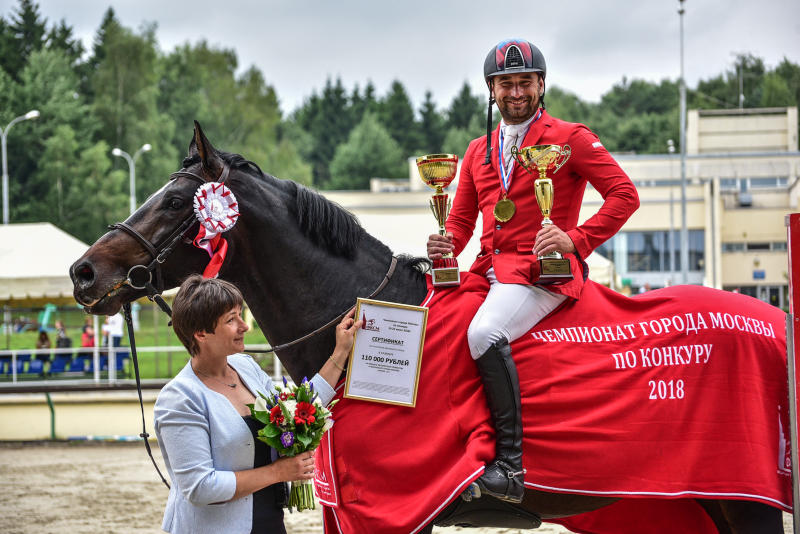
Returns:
point(564, 155)
point(519, 159)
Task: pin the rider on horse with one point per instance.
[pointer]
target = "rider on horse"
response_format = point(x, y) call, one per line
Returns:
point(515, 71)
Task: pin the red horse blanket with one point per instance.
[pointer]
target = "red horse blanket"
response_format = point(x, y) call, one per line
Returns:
point(673, 394)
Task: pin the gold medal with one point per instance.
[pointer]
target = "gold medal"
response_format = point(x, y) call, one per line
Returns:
point(504, 210)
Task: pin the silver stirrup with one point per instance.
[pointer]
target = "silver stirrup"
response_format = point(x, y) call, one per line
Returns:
point(473, 491)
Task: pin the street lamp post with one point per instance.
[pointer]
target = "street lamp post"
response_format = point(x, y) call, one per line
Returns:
point(684, 230)
point(32, 114)
point(132, 168)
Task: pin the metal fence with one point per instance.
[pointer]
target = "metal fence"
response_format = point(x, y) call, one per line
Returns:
point(101, 365)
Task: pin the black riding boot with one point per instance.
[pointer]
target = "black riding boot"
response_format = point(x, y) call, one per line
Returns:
point(503, 477)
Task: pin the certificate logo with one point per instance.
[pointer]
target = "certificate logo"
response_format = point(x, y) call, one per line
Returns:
point(369, 324)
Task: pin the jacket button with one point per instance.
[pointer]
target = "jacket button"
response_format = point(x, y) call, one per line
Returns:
point(498, 227)
point(497, 251)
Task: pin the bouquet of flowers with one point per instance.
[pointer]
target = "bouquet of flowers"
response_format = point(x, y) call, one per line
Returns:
point(295, 421)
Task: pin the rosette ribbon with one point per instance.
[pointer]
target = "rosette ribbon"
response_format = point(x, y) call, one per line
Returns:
point(217, 210)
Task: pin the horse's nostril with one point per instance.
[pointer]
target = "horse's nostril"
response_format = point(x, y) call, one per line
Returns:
point(84, 273)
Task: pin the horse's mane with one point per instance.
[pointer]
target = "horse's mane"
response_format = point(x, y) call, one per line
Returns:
point(325, 223)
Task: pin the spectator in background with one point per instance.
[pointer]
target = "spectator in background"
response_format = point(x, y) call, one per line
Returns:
point(43, 341)
point(87, 337)
point(113, 329)
point(62, 339)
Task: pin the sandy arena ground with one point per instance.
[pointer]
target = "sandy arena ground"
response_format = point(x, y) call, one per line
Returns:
point(112, 488)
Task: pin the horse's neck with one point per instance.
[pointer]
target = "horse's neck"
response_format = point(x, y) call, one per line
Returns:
point(293, 287)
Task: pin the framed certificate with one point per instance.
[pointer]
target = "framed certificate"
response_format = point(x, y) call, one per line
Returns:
point(387, 352)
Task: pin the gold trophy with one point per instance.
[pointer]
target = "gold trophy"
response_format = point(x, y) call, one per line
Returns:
point(437, 171)
point(539, 159)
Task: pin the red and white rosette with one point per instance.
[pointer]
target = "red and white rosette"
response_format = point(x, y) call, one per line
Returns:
point(217, 210)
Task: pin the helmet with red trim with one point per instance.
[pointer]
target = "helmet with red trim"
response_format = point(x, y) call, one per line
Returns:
point(513, 56)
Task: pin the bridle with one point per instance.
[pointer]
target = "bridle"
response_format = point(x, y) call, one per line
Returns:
point(142, 277)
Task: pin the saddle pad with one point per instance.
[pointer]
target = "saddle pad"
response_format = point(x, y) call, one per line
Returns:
point(657, 399)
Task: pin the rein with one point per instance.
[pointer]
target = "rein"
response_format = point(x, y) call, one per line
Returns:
point(141, 277)
point(339, 317)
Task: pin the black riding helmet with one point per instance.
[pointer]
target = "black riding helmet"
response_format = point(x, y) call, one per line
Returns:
point(510, 57)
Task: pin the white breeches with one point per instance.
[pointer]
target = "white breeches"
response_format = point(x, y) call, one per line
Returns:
point(508, 312)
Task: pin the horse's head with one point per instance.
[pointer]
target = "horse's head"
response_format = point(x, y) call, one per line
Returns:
point(151, 246)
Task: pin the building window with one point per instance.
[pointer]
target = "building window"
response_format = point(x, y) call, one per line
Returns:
point(733, 247)
point(655, 251)
point(775, 246)
point(776, 295)
point(745, 184)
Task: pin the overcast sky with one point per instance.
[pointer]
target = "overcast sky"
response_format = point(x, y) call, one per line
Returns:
point(438, 44)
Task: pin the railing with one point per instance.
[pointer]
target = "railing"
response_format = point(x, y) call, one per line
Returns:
point(104, 364)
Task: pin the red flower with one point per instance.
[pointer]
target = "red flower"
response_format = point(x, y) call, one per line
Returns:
point(304, 413)
point(283, 396)
point(276, 415)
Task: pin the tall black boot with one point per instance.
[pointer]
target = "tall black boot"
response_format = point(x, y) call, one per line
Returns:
point(503, 477)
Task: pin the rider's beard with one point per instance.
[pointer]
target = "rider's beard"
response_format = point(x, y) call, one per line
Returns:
point(516, 114)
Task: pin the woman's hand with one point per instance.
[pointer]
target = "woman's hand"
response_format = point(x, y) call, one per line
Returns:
point(345, 333)
point(300, 467)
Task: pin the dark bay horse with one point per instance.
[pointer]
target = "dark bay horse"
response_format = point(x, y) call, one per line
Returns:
point(302, 259)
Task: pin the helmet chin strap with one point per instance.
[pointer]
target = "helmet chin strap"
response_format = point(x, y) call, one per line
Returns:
point(489, 123)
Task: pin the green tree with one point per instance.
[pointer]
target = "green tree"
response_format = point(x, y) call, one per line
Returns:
point(60, 37)
point(457, 140)
point(107, 190)
point(370, 152)
point(125, 103)
point(775, 92)
point(464, 108)
point(432, 127)
point(27, 29)
point(567, 106)
point(396, 114)
point(325, 117)
point(48, 84)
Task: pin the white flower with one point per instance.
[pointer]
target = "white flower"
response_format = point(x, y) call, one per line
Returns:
point(260, 405)
point(328, 424)
point(290, 404)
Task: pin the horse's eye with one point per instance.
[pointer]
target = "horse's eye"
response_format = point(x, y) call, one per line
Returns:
point(175, 203)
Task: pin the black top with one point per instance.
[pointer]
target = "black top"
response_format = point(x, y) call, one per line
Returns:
point(268, 502)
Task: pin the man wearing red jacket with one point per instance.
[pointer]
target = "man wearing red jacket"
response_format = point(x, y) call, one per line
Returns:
point(494, 185)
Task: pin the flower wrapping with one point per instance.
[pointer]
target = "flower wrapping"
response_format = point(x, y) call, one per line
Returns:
point(294, 421)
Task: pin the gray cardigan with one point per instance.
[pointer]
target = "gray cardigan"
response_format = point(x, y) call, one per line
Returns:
point(203, 440)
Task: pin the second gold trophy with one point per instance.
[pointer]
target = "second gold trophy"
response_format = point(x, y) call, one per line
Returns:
point(437, 171)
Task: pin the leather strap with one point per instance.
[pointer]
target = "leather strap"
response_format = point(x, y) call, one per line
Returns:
point(339, 317)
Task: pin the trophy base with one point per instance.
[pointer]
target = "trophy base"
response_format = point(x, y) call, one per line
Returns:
point(445, 273)
point(554, 269)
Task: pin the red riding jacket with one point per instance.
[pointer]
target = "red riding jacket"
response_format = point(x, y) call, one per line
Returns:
point(508, 246)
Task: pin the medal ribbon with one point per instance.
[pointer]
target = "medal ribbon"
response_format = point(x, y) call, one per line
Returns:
point(505, 174)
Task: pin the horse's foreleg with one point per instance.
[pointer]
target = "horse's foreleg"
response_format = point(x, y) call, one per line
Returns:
point(743, 517)
point(714, 511)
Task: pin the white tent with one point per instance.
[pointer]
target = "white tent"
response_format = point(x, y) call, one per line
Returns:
point(34, 263)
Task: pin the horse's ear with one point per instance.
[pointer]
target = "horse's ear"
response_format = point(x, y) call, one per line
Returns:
point(201, 147)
